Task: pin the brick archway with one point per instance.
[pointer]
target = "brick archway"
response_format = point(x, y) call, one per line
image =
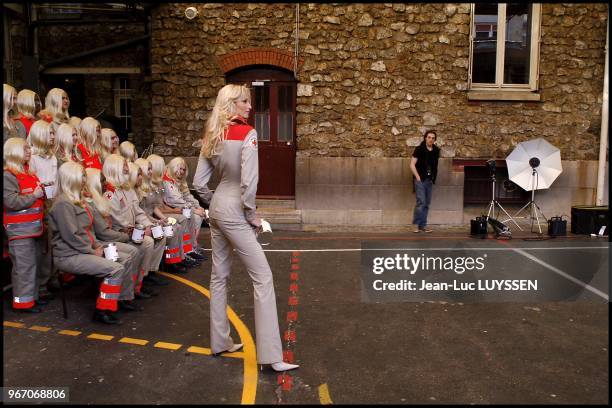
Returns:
point(258, 56)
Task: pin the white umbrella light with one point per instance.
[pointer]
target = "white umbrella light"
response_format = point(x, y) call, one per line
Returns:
point(533, 154)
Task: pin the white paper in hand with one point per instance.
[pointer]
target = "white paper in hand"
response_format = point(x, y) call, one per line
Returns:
point(264, 237)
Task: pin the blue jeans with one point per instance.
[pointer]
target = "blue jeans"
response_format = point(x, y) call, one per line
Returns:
point(423, 200)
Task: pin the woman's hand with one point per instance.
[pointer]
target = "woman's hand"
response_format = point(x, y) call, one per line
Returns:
point(38, 192)
point(147, 231)
point(99, 251)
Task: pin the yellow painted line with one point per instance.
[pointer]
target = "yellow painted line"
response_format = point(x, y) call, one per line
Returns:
point(97, 336)
point(324, 395)
point(199, 350)
point(13, 324)
point(168, 346)
point(70, 332)
point(40, 328)
point(249, 384)
point(130, 340)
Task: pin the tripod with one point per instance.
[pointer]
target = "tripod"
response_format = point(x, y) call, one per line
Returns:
point(494, 203)
point(533, 207)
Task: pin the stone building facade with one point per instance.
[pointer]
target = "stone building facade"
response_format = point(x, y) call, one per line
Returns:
point(371, 79)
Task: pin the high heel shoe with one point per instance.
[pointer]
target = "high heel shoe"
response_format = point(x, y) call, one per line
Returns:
point(232, 349)
point(282, 366)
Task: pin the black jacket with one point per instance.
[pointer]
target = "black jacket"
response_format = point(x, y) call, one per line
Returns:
point(422, 154)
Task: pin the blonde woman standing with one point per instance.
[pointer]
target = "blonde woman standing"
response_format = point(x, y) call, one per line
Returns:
point(87, 150)
point(66, 140)
point(43, 163)
point(125, 216)
point(75, 247)
point(177, 195)
point(109, 143)
point(11, 127)
point(23, 201)
point(150, 202)
point(56, 107)
point(158, 167)
point(129, 256)
point(128, 150)
point(230, 146)
point(28, 106)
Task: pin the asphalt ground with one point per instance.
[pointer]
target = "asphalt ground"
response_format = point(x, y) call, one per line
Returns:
point(351, 350)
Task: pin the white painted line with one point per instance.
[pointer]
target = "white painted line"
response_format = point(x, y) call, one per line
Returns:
point(426, 249)
point(560, 272)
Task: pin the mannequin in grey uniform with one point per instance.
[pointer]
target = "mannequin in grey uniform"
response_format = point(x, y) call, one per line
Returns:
point(230, 147)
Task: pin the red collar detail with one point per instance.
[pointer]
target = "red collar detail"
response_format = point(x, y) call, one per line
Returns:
point(109, 187)
point(168, 178)
point(238, 120)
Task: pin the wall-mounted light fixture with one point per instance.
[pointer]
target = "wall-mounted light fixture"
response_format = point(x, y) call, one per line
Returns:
point(191, 13)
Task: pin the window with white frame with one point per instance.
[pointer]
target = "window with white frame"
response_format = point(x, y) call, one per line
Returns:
point(123, 101)
point(504, 47)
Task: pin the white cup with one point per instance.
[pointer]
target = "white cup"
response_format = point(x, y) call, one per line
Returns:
point(111, 253)
point(138, 235)
point(264, 237)
point(49, 191)
point(187, 212)
point(168, 231)
point(157, 231)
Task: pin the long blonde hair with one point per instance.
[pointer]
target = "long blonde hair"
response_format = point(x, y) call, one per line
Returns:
point(94, 186)
point(14, 154)
point(145, 187)
point(75, 122)
point(63, 140)
point(40, 139)
point(105, 143)
point(128, 150)
point(26, 103)
point(171, 170)
point(9, 108)
point(113, 171)
point(55, 107)
point(71, 182)
point(89, 134)
point(223, 111)
point(158, 166)
point(133, 177)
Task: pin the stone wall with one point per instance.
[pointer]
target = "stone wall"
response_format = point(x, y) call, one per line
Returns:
point(375, 75)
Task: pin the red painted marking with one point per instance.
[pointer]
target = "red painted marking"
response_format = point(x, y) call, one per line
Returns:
point(293, 276)
point(289, 335)
point(288, 356)
point(293, 300)
point(292, 316)
point(295, 267)
point(293, 287)
point(288, 383)
point(295, 260)
point(296, 253)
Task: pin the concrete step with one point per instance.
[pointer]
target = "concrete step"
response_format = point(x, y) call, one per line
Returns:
point(267, 203)
point(280, 215)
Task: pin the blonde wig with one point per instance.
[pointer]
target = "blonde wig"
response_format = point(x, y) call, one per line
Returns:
point(158, 166)
point(94, 186)
point(40, 139)
point(65, 142)
point(89, 134)
point(54, 106)
point(75, 122)
point(133, 178)
point(128, 150)
point(71, 182)
point(171, 170)
point(9, 106)
point(145, 186)
point(223, 111)
point(27, 103)
point(105, 144)
point(113, 171)
point(14, 154)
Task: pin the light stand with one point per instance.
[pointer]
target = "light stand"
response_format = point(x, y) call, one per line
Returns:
point(494, 202)
point(534, 209)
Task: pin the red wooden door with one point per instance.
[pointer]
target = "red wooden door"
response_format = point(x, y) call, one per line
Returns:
point(273, 98)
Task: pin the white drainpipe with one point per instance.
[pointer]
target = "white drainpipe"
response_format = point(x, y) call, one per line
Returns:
point(603, 136)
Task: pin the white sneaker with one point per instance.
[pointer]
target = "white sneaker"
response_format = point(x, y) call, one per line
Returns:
point(282, 366)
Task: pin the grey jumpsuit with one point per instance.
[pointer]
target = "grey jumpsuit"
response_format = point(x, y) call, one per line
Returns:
point(232, 213)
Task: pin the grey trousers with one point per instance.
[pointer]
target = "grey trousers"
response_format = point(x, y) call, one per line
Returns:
point(195, 224)
point(152, 252)
point(25, 255)
point(241, 236)
point(45, 271)
point(86, 264)
point(129, 257)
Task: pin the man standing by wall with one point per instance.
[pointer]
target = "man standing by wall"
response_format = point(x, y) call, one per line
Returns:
point(424, 166)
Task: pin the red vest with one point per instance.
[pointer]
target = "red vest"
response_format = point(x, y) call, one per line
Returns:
point(26, 223)
point(238, 129)
point(89, 160)
point(27, 122)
